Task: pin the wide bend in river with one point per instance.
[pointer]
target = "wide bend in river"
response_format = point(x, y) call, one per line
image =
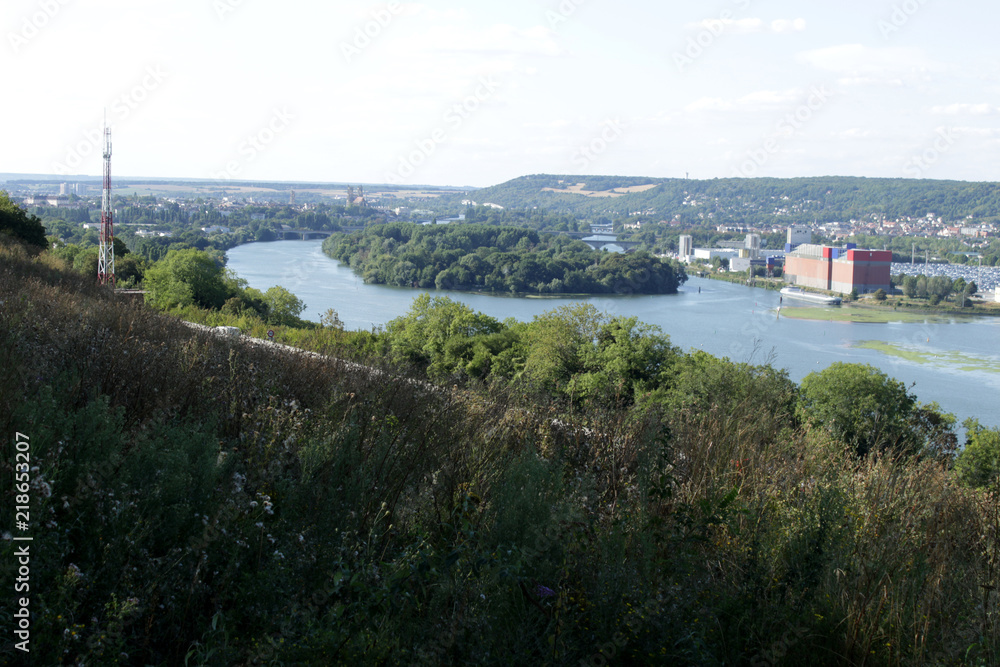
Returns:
point(954, 362)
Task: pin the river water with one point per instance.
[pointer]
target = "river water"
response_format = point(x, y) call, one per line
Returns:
point(958, 366)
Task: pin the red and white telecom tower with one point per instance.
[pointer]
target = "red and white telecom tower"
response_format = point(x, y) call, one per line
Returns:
point(106, 257)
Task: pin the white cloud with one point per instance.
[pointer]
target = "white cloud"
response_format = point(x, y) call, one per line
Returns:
point(761, 100)
point(855, 133)
point(497, 39)
point(983, 132)
point(710, 104)
point(863, 65)
point(870, 81)
point(788, 25)
point(964, 109)
point(748, 26)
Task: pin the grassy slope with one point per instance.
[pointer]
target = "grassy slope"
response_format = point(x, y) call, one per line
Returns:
point(201, 498)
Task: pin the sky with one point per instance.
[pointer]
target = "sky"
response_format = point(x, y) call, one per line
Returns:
point(474, 94)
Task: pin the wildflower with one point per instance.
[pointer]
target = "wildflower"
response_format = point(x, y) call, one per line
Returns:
point(544, 591)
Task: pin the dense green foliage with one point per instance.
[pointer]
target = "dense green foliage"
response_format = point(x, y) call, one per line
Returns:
point(864, 408)
point(935, 288)
point(195, 278)
point(497, 259)
point(19, 224)
point(979, 463)
point(208, 501)
point(573, 352)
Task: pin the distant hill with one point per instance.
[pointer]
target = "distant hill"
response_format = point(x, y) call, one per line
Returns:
point(749, 201)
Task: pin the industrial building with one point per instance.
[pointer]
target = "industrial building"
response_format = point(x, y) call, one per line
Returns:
point(686, 248)
point(769, 263)
point(840, 270)
point(796, 236)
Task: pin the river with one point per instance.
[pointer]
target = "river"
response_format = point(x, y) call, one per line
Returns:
point(955, 362)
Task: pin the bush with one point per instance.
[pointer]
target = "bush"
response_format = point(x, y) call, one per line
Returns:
point(978, 464)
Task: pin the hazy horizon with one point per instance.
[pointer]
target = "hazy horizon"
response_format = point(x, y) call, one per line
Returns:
point(408, 93)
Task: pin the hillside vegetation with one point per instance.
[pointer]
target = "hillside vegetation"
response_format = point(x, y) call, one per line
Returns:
point(210, 501)
point(751, 201)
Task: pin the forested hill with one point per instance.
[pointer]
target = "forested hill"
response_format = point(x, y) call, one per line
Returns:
point(749, 201)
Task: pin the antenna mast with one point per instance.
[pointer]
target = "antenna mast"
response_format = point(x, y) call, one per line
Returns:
point(106, 256)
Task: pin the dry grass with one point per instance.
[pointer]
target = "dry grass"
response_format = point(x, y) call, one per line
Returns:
point(232, 504)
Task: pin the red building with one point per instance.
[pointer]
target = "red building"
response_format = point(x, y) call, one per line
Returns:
point(839, 269)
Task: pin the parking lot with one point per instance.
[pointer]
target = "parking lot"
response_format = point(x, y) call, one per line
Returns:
point(986, 278)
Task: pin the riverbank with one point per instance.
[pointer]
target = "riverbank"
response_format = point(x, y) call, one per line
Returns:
point(772, 284)
point(866, 309)
point(861, 315)
point(725, 320)
point(892, 310)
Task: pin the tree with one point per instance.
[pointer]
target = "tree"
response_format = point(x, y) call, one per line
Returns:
point(16, 222)
point(861, 406)
point(129, 270)
point(979, 463)
point(85, 261)
point(283, 307)
point(186, 277)
point(433, 332)
point(880, 295)
point(331, 320)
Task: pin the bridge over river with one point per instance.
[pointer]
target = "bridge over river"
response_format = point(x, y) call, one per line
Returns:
point(602, 241)
point(303, 234)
